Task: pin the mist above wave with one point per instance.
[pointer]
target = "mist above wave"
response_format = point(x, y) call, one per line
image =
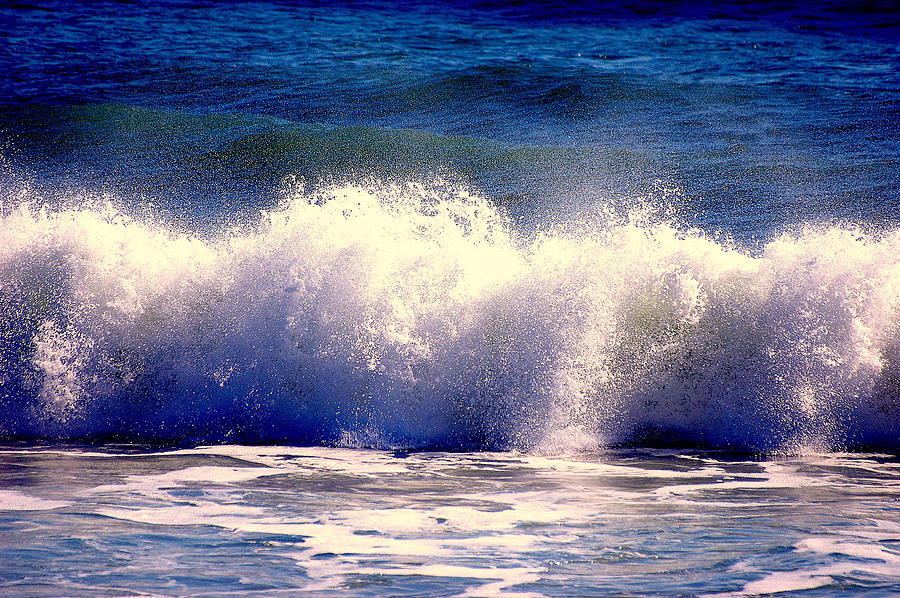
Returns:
point(412, 315)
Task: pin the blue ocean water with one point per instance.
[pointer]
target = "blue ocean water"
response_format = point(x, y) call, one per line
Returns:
point(449, 298)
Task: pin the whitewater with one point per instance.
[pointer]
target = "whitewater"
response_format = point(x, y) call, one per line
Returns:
point(414, 316)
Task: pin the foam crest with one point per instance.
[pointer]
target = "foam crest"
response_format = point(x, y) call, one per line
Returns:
point(413, 315)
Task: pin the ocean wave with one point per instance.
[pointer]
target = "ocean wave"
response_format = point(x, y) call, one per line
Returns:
point(412, 315)
point(199, 170)
point(558, 91)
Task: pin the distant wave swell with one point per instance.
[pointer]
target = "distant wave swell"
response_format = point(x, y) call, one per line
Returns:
point(413, 316)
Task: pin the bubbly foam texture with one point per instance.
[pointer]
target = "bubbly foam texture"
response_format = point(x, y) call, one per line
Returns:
point(385, 315)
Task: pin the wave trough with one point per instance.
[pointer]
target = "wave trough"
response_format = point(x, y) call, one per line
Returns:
point(412, 315)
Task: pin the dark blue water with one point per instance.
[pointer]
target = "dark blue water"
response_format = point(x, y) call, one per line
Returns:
point(762, 115)
point(463, 225)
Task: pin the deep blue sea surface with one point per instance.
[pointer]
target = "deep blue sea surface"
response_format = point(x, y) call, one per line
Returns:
point(406, 298)
point(755, 117)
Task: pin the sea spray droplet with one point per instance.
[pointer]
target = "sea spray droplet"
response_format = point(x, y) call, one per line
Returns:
point(412, 315)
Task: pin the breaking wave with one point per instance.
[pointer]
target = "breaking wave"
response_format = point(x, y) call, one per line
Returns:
point(413, 315)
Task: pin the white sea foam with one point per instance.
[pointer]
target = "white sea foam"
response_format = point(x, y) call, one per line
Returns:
point(379, 315)
point(505, 522)
point(13, 500)
point(854, 558)
point(206, 475)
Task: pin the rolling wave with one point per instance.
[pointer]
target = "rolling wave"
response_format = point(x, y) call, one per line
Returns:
point(412, 315)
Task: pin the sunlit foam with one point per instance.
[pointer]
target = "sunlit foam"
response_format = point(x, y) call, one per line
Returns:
point(413, 315)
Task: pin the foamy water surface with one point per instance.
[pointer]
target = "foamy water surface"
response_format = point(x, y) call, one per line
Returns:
point(279, 520)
